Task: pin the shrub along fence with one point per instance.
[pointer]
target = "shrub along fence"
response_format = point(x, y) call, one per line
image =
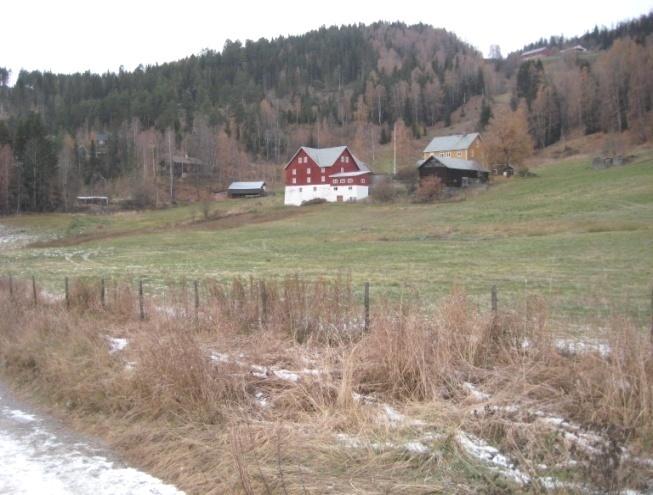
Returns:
point(301, 307)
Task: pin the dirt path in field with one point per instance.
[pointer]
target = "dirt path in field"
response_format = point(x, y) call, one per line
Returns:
point(39, 456)
point(225, 222)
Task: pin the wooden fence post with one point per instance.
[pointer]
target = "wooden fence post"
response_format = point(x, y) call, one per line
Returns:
point(11, 287)
point(196, 289)
point(34, 290)
point(102, 292)
point(494, 298)
point(67, 293)
point(264, 302)
point(140, 299)
point(651, 315)
point(366, 302)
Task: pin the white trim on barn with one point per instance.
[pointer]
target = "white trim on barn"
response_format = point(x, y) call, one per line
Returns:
point(296, 195)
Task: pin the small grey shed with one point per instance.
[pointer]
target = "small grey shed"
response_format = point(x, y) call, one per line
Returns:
point(245, 189)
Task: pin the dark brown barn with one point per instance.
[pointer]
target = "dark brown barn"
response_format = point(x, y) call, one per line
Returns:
point(453, 172)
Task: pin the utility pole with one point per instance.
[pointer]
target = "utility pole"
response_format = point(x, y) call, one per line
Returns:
point(19, 174)
point(155, 176)
point(394, 146)
point(172, 175)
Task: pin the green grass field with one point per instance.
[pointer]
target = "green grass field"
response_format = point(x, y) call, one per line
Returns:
point(582, 238)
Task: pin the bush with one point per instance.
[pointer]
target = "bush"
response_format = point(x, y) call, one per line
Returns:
point(409, 177)
point(385, 191)
point(524, 172)
point(429, 190)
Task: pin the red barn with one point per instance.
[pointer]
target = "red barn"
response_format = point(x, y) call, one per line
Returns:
point(332, 174)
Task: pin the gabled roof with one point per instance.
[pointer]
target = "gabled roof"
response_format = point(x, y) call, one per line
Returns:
point(453, 142)
point(235, 186)
point(535, 51)
point(326, 157)
point(454, 163)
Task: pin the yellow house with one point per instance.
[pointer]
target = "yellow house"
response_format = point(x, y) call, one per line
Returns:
point(464, 146)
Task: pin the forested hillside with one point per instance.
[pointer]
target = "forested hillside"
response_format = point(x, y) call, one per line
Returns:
point(243, 110)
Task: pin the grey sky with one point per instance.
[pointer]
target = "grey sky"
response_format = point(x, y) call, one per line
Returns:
point(74, 35)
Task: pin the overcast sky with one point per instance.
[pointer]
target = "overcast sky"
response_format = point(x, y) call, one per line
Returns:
point(75, 35)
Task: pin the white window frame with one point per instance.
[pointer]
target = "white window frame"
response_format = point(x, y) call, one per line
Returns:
point(294, 180)
point(308, 180)
point(342, 181)
point(362, 181)
point(308, 171)
point(350, 181)
point(294, 171)
point(335, 181)
point(323, 178)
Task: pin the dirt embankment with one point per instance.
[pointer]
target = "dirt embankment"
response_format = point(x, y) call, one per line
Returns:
point(228, 221)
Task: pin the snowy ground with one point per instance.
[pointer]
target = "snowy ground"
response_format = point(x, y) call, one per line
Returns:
point(14, 238)
point(38, 456)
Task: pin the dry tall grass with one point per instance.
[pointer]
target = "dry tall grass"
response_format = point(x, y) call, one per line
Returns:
point(275, 387)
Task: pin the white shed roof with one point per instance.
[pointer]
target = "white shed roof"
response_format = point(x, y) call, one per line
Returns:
point(453, 142)
point(234, 186)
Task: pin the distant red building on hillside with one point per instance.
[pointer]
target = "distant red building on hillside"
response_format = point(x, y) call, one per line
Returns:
point(332, 174)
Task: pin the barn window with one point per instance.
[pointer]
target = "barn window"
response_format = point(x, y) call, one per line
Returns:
point(342, 170)
point(323, 179)
point(458, 153)
point(362, 181)
point(335, 181)
point(346, 159)
point(342, 181)
point(308, 179)
point(308, 171)
point(294, 171)
point(294, 181)
point(342, 159)
point(350, 181)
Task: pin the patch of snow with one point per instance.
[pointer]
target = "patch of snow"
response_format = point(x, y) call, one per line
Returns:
point(38, 458)
point(475, 393)
point(393, 415)
point(574, 346)
point(363, 399)
point(219, 357)
point(286, 375)
point(12, 238)
point(259, 371)
point(349, 441)
point(396, 418)
point(482, 451)
point(262, 400)
point(416, 447)
point(116, 344)
point(18, 415)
